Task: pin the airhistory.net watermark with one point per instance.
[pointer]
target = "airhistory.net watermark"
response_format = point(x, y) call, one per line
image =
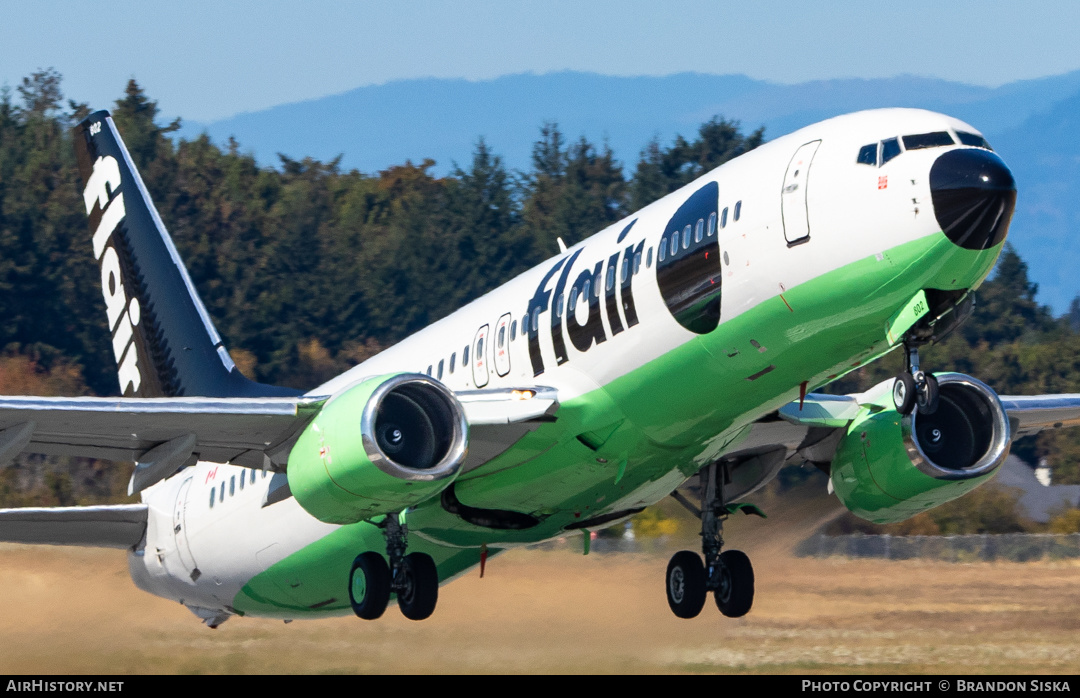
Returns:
point(35, 685)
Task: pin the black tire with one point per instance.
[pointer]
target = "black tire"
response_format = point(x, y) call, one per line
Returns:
point(369, 585)
point(420, 582)
point(928, 397)
point(904, 393)
point(686, 584)
point(735, 595)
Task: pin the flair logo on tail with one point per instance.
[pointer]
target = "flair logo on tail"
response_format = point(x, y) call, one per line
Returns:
point(163, 339)
point(105, 202)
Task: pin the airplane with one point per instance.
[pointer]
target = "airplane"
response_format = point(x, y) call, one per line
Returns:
point(684, 341)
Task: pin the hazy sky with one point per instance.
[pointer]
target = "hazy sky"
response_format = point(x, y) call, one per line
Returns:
point(208, 59)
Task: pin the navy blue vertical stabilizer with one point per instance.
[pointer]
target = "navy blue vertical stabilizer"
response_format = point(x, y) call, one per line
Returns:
point(163, 339)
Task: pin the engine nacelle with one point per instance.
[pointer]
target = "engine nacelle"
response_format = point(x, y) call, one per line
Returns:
point(383, 445)
point(889, 467)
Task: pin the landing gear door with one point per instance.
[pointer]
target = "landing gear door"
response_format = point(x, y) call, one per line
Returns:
point(480, 362)
point(793, 196)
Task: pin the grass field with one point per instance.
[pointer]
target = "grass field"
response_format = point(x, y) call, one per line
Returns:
point(76, 611)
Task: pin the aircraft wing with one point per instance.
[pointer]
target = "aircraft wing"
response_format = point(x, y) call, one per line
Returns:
point(812, 430)
point(1030, 414)
point(163, 434)
point(114, 526)
point(127, 429)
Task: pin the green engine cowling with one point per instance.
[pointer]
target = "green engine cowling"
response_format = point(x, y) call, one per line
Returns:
point(385, 444)
point(890, 467)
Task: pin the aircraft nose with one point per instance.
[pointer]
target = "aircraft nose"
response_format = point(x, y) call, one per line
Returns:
point(974, 195)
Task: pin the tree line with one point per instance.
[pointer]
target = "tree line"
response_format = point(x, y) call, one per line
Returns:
point(307, 269)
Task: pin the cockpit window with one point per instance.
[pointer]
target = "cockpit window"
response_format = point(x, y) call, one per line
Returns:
point(973, 139)
point(927, 140)
point(890, 148)
point(868, 155)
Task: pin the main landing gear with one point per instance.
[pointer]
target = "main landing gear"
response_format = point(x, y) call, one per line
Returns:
point(727, 574)
point(413, 577)
point(913, 386)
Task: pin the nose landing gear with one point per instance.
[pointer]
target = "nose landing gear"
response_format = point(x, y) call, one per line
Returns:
point(913, 386)
point(413, 577)
point(729, 574)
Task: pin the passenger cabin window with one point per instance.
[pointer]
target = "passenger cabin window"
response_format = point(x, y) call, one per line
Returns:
point(723, 218)
point(890, 148)
point(253, 476)
point(513, 330)
point(712, 223)
point(686, 237)
point(465, 352)
point(699, 230)
point(662, 254)
point(241, 480)
point(936, 139)
point(453, 360)
point(868, 155)
point(221, 496)
point(674, 243)
point(429, 369)
point(973, 139)
point(637, 263)
point(738, 209)
point(558, 306)
point(232, 485)
point(213, 491)
point(440, 369)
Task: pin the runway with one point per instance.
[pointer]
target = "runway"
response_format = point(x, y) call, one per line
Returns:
point(75, 611)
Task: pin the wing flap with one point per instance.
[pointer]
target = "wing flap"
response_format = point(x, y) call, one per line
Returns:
point(113, 526)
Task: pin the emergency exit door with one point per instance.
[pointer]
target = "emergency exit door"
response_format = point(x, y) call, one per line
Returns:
point(793, 197)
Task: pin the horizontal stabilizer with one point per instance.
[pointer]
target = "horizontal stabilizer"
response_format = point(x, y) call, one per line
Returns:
point(113, 526)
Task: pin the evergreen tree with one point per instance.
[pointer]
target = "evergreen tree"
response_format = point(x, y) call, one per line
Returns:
point(1005, 307)
point(572, 192)
point(661, 171)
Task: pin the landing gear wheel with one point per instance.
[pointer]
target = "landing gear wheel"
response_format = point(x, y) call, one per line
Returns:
point(419, 586)
point(369, 585)
point(927, 398)
point(904, 393)
point(735, 595)
point(686, 584)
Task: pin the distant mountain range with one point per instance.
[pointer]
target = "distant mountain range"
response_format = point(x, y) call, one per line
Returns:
point(1033, 124)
